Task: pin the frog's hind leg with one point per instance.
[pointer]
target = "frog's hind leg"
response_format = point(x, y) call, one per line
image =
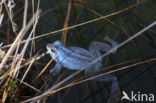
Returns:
point(95, 47)
point(115, 92)
point(113, 43)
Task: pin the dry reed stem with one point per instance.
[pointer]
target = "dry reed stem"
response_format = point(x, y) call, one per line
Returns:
point(2, 1)
point(14, 70)
point(1, 18)
point(18, 38)
point(6, 91)
point(10, 14)
point(64, 33)
point(36, 58)
point(31, 62)
point(71, 27)
point(99, 75)
point(25, 13)
point(6, 85)
point(24, 48)
point(29, 85)
point(43, 70)
point(82, 81)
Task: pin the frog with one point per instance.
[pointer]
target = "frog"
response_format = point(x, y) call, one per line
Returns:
point(75, 58)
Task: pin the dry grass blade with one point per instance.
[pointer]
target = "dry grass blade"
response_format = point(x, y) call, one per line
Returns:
point(6, 86)
point(18, 38)
point(2, 1)
point(14, 70)
point(36, 58)
point(24, 48)
point(31, 62)
point(9, 7)
point(64, 33)
point(25, 13)
point(29, 86)
point(1, 14)
point(96, 13)
point(104, 55)
point(82, 81)
point(1, 18)
point(78, 25)
point(6, 90)
point(43, 70)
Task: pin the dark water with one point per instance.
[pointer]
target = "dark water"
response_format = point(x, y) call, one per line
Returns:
point(140, 78)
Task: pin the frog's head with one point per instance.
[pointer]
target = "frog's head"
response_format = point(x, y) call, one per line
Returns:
point(53, 49)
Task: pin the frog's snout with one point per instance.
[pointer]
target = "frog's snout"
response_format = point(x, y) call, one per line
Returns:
point(47, 47)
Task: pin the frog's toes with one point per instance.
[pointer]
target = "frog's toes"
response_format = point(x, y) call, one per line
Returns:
point(115, 96)
point(113, 43)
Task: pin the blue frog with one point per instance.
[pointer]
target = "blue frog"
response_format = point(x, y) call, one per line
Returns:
point(75, 58)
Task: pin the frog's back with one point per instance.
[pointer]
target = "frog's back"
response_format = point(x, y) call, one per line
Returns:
point(82, 52)
point(77, 58)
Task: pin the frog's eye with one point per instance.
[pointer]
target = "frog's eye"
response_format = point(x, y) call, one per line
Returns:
point(53, 50)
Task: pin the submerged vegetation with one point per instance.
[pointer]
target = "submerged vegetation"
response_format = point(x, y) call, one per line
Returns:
point(27, 26)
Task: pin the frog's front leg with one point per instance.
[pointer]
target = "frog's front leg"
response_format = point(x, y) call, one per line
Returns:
point(56, 69)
